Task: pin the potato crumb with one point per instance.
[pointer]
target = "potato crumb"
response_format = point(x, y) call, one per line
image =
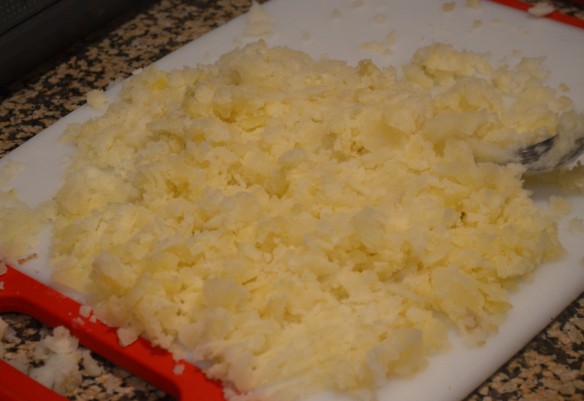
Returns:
point(541, 9)
point(127, 336)
point(259, 22)
point(473, 3)
point(448, 7)
point(564, 88)
point(336, 14)
point(61, 341)
point(384, 47)
point(97, 100)
point(90, 365)
point(85, 311)
point(477, 23)
point(60, 373)
point(178, 369)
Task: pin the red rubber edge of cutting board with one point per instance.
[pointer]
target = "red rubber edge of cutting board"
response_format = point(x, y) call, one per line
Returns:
point(22, 294)
point(556, 16)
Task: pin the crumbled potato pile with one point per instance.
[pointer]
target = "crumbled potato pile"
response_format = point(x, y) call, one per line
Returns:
point(304, 225)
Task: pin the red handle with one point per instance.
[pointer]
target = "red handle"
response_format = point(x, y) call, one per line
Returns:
point(16, 386)
point(23, 294)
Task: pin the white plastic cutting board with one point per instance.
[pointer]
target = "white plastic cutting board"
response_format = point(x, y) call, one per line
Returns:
point(338, 28)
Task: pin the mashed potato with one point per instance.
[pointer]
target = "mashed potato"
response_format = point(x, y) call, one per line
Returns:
point(302, 225)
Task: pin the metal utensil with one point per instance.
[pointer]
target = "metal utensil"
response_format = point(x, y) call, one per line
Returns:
point(549, 154)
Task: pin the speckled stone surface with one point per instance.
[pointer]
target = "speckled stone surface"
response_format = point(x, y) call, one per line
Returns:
point(550, 367)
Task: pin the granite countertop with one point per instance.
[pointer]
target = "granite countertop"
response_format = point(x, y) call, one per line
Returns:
point(550, 367)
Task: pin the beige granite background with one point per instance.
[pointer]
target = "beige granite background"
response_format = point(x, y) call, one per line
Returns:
point(550, 367)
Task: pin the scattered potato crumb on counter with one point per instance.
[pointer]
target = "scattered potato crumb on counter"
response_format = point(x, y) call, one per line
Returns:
point(56, 360)
point(473, 3)
point(477, 23)
point(336, 15)
point(564, 88)
point(249, 208)
point(259, 22)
